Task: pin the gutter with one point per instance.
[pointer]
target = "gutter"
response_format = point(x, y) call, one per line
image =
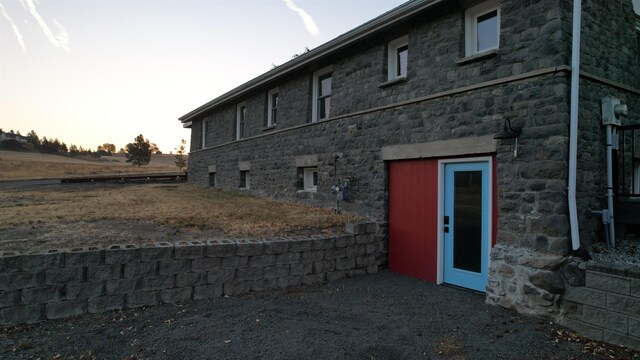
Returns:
point(383, 21)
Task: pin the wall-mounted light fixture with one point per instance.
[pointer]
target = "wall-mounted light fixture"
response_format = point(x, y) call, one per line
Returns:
point(509, 132)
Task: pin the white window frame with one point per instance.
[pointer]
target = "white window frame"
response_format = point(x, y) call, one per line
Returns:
point(203, 140)
point(239, 131)
point(392, 57)
point(316, 82)
point(471, 25)
point(308, 178)
point(270, 106)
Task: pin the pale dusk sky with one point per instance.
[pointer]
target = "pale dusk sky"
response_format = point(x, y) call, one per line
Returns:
point(95, 71)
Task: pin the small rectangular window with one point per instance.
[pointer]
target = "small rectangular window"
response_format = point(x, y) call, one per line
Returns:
point(272, 115)
point(482, 27)
point(212, 179)
point(244, 179)
point(310, 179)
point(241, 111)
point(322, 87)
point(398, 58)
point(203, 141)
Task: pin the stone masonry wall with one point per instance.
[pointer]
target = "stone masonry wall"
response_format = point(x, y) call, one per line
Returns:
point(602, 302)
point(55, 285)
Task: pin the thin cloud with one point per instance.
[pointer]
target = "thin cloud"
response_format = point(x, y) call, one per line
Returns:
point(309, 24)
point(60, 39)
point(15, 29)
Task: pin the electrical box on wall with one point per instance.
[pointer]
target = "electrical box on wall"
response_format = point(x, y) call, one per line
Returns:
point(613, 110)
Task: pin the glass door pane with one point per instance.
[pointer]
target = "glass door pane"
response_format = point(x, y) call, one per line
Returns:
point(467, 227)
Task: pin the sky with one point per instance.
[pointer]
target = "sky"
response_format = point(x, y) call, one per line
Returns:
point(90, 72)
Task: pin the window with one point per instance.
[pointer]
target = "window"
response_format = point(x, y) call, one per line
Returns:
point(272, 115)
point(212, 179)
point(311, 179)
point(241, 111)
point(203, 140)
point(321, 94)
point(308, 178)
point(244, 179)
point(398, 58)
point(482, 28)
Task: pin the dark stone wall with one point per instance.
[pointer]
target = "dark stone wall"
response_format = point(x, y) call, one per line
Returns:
point(532, 197)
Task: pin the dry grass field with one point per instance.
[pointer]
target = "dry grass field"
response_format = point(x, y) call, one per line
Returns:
point(84, 215)
point(24, 165)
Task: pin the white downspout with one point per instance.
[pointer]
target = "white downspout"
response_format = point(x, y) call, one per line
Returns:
point(573, 125)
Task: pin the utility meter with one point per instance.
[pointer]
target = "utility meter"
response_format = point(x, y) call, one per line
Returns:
point(613, 110)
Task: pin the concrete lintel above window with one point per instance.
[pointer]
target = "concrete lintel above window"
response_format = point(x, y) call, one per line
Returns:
point(212, 168)
point(452, 147)
point(306, 160)
point(244, 165)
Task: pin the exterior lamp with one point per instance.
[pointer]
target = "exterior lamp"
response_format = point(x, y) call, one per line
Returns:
point(509, 132)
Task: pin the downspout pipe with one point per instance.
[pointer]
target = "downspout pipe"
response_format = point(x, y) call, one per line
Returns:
point(573, 130)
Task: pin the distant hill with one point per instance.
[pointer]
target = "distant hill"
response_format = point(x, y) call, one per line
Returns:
point(28, 165)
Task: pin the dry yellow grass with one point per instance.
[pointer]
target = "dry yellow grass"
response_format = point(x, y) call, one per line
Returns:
point(102, 214)
point(21, 165)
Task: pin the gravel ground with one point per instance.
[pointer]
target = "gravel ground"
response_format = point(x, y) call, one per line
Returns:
point(626, 251)
point(382, 316)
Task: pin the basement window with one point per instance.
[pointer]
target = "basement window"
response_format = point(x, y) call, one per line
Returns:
point(212, 179)
point(244, 179)
point(308, 178)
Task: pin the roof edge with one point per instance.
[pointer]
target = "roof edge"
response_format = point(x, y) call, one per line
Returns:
point(381, 22)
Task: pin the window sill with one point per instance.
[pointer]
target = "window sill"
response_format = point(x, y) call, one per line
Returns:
point(479, 56)
point(269, 128)
point(393, 82)
point(302, 191)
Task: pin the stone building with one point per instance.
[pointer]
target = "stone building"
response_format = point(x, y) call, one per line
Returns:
point(449, 123)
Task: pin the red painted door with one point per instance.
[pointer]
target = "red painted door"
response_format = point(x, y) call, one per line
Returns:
point(413, 216)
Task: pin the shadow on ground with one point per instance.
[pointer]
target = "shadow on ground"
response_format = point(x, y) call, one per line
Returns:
point(382, 316)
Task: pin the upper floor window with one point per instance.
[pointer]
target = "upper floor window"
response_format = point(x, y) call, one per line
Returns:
point(482, 27)
point(203, 140)
point(398, 58)
point(241, 111)
point(272, 113)
point(321, 94)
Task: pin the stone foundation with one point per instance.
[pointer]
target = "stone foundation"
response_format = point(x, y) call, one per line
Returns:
point(599, 301)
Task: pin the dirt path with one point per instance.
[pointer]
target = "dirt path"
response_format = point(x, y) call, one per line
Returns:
point(383, 316)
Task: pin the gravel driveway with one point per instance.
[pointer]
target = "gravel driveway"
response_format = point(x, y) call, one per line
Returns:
point(382, 316)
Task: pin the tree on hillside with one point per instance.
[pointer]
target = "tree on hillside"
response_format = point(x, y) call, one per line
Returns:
point(139, 152)
point(181, 160)
point(33, 139)
point(110, 148)
point(155, 149)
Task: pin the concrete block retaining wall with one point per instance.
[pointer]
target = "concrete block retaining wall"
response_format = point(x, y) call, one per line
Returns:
point(607, 305)
point(58, 284)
